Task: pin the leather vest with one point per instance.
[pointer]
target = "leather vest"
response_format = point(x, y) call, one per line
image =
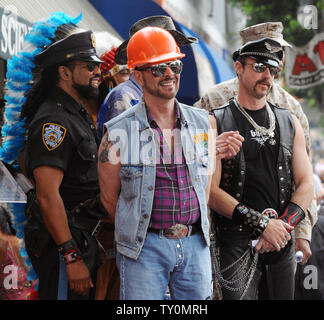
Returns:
point(233, 170)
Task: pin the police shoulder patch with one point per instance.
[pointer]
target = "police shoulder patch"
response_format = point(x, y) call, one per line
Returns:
point(53, 135)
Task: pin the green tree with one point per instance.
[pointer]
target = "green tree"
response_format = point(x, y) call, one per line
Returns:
point(258, 11)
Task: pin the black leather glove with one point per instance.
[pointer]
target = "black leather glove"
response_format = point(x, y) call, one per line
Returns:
point(293, 214)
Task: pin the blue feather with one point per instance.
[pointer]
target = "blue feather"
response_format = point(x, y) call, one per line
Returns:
point(20, 75)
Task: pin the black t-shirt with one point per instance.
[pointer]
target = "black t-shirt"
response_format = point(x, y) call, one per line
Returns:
point(261, 189)
point(62, 135)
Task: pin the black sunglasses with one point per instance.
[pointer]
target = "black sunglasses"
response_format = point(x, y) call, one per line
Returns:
point(261, 67)
point(158, 70)
point(91, 65)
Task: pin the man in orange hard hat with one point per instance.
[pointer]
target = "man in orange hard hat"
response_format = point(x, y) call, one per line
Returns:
point(154, 186)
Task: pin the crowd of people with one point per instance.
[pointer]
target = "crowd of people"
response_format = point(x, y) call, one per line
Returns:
point(137, 196)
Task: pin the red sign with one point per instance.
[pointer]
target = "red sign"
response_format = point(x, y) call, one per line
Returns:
point(305, 66)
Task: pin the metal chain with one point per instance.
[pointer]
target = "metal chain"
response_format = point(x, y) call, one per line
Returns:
point(228, 284)
point(264, 131)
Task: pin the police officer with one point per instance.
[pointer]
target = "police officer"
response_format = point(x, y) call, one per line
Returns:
point(61, 159)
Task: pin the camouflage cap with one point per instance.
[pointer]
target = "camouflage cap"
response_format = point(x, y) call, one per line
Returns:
point(272, 30)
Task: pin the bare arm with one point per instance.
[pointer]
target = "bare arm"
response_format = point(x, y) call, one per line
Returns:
point(51, 203)
point(55, 219)
point(109, 180)
point(302, 170)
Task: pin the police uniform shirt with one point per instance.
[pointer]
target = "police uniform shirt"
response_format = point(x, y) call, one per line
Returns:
point(62, 135)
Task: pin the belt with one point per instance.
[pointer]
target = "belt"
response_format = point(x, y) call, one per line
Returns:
point(178, 231)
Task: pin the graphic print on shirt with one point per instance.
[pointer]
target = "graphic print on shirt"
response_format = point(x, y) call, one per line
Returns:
point(53, 135)
point(262, 139)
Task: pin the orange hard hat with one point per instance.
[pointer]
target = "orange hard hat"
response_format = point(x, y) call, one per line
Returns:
point(152, 45)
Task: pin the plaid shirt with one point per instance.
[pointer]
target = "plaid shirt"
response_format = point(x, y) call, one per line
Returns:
point(175, 200)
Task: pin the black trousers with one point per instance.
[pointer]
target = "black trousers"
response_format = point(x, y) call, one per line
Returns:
point(47, 268)
point(278, 277)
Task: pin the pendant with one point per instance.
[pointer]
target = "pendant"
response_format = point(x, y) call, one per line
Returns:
point(272, 141)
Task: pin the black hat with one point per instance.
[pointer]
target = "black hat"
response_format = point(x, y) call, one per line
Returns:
point(265, 50)
point(78, 46)
point(164, 22)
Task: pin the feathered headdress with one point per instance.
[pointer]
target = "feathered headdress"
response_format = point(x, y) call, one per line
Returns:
point(107, 45)
point(19, 82)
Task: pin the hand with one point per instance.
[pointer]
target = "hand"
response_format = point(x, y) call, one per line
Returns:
point(228, 144)
point(79, 277)
point(263, 246)
point(277, 233)
point(303, 245)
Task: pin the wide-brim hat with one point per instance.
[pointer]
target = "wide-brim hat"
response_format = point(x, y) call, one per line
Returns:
point(264, 50)
point(78, 46)
point(272, 30)
point(164, 22)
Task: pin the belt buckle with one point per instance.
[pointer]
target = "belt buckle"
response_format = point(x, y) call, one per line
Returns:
point(97, 228)
point(176, 231)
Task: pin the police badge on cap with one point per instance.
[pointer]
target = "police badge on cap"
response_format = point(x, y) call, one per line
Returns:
point(78, 46)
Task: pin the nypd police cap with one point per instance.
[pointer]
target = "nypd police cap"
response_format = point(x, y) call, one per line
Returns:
point(78, 46)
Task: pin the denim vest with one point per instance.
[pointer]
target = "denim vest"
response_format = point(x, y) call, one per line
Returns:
point(131, 134)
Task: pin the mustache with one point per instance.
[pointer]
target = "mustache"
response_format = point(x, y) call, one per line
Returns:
point(168, 78)
point(264, 81)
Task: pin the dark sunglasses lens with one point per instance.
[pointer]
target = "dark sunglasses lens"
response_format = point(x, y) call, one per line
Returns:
point(274, 71)
point(158, 70)
point(92, 65)
point(176, 67)
point(259, 67)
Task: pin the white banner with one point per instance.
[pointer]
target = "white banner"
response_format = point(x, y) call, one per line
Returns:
point(12, 32)
point(304, 66)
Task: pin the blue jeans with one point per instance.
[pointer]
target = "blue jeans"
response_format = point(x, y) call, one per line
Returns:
point(183, 264)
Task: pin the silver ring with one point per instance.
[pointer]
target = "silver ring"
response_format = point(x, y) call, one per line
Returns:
point(218, 150)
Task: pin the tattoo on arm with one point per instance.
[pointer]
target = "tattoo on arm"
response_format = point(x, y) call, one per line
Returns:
point(109, 151)
point(104, 155)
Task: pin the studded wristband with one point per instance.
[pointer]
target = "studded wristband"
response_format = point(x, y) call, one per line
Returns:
point(251, 218)
point(70, 252)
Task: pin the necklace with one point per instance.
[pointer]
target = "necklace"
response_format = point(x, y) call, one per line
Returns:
point(262, 130)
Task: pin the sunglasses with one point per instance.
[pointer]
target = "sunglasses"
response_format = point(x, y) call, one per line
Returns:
point(260, 67)
point(158, 70)
point(91, 65)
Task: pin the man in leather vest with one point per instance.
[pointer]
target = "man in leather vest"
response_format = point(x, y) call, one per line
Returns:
point(255, 195)
point(221, 93)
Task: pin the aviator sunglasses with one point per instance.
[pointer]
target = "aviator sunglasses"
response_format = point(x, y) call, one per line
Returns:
point(158, 70)
point(260, 67)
